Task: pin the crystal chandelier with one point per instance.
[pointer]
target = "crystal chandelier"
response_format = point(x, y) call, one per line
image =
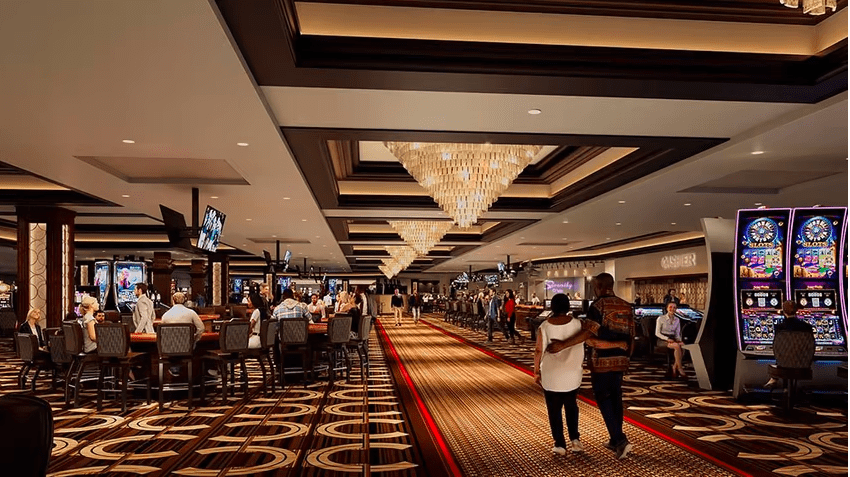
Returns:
point(421, 235)
point(464, 179)
point(403, 255)
point(811, 7)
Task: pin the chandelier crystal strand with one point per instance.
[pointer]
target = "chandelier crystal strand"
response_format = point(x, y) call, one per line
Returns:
point(464, 179)
point(403, 255)
point(818, 7)
point(421, 235)
point(790, 3)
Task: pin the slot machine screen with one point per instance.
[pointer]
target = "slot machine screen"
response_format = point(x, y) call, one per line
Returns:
point(760, 275)
point(127, 274)
point(282, 283)
point(102, 280)
point(815, 281)
point(237, 286)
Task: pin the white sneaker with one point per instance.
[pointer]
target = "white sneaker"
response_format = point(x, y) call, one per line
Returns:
point(559, 451)
point(576, 446)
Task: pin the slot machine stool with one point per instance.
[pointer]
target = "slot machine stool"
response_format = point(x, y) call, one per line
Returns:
point(668, 353)
point(794, 352)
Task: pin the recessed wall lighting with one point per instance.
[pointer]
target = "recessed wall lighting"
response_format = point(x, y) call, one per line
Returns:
point(128, 141)
point(125, 195)
point(687, 204)
point(756, 153)
point(242, 144)
point(534, 112)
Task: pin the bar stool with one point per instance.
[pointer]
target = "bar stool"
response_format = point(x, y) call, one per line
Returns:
point(113, 351)
point(73, 333)
point(339, 332)
point(233, 342)
point(175, 343)
point(268, 333)
point(60, 358)
point(294, 333)
point(28, 352)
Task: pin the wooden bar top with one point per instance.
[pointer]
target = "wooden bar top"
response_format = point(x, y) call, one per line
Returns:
point(151, 337)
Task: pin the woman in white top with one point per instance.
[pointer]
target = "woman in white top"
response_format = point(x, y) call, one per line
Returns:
point(560, 373)
point(88, 306)
point(668, 330)
point(256, 307)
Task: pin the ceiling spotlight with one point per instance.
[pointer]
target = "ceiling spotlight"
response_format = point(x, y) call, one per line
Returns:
point(687, 204)
point(286, 198)
point(213, 197)
point(566, 221)
point(534, 112)
point(125, 195)
point(274, 236)
point(303, 220)
point(621, 201)
point(758, 203)
point(128, 141)
point(756, 153)
point(618, 223)
point(672, 223)
point(249, 220)
point(242, 144)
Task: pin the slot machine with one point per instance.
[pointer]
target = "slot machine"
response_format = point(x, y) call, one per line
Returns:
point(760, 282)
point(815, 282)
point(126, 276)
point(103, 281)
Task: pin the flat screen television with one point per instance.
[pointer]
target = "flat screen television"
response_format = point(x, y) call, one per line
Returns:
point(501, 267)
point(175, 228)
point(211, 230)
point(286, 258)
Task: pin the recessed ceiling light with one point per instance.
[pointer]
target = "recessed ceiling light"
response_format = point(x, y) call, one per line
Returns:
point(213, 197)
point(249, 220)
point(672, 223)
point(566, 221)
point(621, 201)
point(303, 220)
point(286, 198)
point(242, 144)
point(607, 238)
point(758, 203)
point(534, 112)
point(274, 235)
point(756, 153)
point(125, 195)
point(128, 141)
point(687, 204)
point(618, 223)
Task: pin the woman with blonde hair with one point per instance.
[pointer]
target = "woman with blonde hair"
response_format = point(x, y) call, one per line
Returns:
point(30, 326)
point(88, 306)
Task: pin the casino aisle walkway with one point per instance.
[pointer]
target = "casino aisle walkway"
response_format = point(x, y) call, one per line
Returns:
point(493, 418)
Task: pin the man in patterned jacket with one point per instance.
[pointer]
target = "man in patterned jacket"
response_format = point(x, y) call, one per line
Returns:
point(610, 336)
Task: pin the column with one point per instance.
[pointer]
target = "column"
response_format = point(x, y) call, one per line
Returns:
point(45, 262)
point(198, 276)
point(161, 270)
point(219, 265)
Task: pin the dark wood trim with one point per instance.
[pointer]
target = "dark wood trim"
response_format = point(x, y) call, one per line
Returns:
point(263, 31)
point(769, 11)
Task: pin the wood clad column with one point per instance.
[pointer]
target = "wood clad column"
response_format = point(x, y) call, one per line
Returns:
point(161, 271)
point(198, 275)
point(219, 282)
point(45, 262)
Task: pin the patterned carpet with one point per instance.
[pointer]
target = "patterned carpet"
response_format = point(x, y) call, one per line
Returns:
point(324, 429)
point(755, 438)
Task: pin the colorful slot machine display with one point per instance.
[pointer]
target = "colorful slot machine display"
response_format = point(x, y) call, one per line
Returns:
point(760, 276)
point(126, 275)
point(102, 280)
point(815, 283)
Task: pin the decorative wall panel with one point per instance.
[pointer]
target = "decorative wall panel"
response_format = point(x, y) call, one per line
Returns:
point(38, 269)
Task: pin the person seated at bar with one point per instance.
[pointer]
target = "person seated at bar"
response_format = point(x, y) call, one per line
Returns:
point(88, 307)
point(30, 326)
point(352, 307)
point(790, 323)
point(143, 312)
point(180, 314)
point(291, 308)
point(341, 300)
point(316, 306)
point(259, 313)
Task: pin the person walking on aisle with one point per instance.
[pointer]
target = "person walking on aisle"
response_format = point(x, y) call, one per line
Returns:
point(397, 303)
point(610, 335)
point(510, 311)
point(560, 373)
point(415, 304)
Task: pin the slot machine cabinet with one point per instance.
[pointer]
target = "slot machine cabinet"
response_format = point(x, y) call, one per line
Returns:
point(760, 282)
point(815, 285)
point(126, 275)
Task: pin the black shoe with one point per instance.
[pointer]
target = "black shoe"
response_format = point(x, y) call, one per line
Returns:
point(623, 449)
point(608, 445)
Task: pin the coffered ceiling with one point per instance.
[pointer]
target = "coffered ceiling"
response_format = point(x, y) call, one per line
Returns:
point(645, 107)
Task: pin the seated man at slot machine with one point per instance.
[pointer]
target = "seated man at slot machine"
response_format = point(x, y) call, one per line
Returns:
point(790, 323)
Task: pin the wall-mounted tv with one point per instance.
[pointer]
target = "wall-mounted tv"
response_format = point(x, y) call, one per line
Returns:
point(211, 230)
point(175, 227)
